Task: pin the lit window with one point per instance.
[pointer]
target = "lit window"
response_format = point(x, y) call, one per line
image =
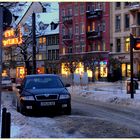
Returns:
point(42, 41)
point(127, 44)
point(82, 28)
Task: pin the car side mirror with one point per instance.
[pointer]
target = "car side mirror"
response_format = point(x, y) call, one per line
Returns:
point(67, 85)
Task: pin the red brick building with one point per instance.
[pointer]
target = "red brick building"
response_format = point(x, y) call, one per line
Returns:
point(84, 31)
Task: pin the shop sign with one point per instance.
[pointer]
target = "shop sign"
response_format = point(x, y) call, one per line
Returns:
point(103, 62)
point(11, 39)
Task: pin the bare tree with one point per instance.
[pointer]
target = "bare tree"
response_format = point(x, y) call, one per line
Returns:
point(71, 63)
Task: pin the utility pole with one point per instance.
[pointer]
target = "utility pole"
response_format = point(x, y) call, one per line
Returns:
point(1, 35)
point(34, 42)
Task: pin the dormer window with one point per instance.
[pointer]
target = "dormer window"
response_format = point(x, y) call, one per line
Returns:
point(53, 26)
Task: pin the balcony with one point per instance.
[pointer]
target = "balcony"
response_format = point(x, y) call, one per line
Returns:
point(134, 6)
point(67, 19)
point(94, 34)
point(97, 13)
point(68, 39)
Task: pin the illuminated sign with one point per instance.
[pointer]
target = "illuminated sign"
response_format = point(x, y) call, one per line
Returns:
point(11, 39)
point(103, 62)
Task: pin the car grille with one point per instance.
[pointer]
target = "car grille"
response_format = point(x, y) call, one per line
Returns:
point(46, 97)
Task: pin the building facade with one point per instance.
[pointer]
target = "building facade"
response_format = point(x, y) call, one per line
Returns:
point(125, 20)
point(84, 29)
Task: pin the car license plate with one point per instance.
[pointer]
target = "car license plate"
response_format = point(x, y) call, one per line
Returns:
point(47, 103)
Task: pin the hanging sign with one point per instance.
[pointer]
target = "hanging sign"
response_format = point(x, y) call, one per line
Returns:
point(11, 39)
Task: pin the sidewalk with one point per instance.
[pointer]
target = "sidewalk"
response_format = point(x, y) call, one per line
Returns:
point(108, 92)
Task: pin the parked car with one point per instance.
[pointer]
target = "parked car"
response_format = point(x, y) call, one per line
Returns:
point(43, 92)
point(6, 83)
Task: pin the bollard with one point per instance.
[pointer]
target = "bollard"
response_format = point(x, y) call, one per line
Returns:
point(3, 128)
point(6, 124)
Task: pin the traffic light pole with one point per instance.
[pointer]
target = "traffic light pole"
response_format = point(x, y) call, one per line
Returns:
point(131, 63)
point(1, 34)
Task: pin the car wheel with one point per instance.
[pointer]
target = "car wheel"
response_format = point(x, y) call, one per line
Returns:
point(67, 110)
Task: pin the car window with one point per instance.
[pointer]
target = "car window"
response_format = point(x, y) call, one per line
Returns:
point(43, 82)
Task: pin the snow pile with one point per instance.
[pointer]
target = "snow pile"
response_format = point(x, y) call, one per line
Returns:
point(114, 93)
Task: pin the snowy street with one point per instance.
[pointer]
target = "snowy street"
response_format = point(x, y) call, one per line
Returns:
point(99, 110)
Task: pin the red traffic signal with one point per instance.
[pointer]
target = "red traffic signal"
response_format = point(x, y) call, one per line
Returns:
point(135, 42)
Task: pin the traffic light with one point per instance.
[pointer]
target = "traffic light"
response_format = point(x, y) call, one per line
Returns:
point(134, 42)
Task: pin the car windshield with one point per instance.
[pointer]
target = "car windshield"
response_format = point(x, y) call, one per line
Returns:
point(43, 82)
point(6, 78)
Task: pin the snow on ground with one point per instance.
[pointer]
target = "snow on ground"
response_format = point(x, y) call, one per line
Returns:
point(100, 91)
point(108, 92)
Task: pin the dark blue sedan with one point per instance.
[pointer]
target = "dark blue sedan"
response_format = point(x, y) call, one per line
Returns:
point(43, 92)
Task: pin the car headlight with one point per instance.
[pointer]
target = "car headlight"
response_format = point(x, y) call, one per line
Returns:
point(27, 98)
point(64, 96)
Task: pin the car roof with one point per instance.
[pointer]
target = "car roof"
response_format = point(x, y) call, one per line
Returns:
point(41, 75)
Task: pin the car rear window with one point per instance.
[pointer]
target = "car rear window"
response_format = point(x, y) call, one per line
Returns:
point(43, 82)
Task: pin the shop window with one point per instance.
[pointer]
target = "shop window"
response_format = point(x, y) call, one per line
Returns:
point(123, 67)
point(128, 70)
point(103, 69)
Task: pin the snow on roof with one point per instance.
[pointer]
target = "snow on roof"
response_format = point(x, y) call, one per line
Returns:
point(54, 6)
point(48, 31)
point(20, 11)
point(47, 18)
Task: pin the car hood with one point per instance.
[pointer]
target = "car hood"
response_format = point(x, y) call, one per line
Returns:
point(46, 91)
